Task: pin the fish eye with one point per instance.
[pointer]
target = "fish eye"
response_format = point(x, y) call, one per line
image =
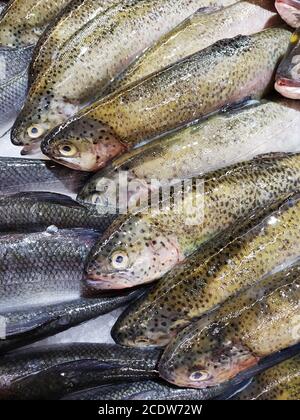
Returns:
point(35, 131)
point(120, 260)
point(200, 375)
point(68, 150)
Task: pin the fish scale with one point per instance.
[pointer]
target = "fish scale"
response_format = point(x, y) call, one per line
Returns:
point(203, 282)
point(151, 243)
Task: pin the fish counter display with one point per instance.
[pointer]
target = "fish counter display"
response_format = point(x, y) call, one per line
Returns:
point(149, 200)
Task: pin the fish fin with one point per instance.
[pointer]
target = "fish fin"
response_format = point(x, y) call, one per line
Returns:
point(18, 328)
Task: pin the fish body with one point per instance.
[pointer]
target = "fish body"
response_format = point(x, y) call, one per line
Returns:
point(282, 382)
point(209, 278)
point(62, 28)
point(75, 78)
point(19, 175)
point(143, 246)
point(223, 140)
point(140, 391)
point(13, 80)
point(226, 72)
point(23, 22)
point(288, 73)
point(42, 268)
point(289, 10)
point(249, 327)
point(54, 371)
point(26, 326)
point(37, 211)
point(198, 32)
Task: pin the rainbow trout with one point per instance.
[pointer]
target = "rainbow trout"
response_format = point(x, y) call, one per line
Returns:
point(198, 32)
point(223, 140)
point(23, 22)
point(207, 279)
point(62, 28)
point(281, 382)
point(75, 77)
point(259, 322)
point(289, 10)
point(288, 72)
point(142, 247)
point(226, 72)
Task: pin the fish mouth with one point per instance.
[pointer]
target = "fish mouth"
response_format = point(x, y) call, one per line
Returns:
point(288, 88)
point(106, 282)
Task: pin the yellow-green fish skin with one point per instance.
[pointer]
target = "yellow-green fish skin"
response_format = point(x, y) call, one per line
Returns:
point(92, 58)
point(23, 22)
point(153, 242)
point(225, 72)
point(280, 383)
point(224, 139)
point(258, 323)
point(63, 27)
point(203, 282)
point(198, 32)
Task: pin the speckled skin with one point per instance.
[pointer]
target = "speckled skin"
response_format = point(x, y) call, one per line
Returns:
point(223, 140)
point(23, 22)
point(226, 72)
point(249, 327)
point(63, 27)
point(154, 242)
point(42, 268)
point(53, 371)
point(206, 279)
point(36, 211)
point(18, 175)
point(94, 56)
point(288, 72)
point(197, 33)
point(282, 382)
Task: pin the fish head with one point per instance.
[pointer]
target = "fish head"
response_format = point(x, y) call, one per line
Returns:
point(41, 113)
point(289, 10)
point(288, 73)
point(132, 252)
point(207, 358)
point(83, 144)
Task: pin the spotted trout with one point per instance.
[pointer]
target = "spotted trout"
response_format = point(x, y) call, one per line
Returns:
point(198, 32)
point(23, 22)
point(226, 72)
point(207, 279)
point(259, 322)
point(223, 140)
point(75, 77)
point(143, 246)
point(282, 382)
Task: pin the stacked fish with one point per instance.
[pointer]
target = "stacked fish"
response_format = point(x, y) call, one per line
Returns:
point(172, 162)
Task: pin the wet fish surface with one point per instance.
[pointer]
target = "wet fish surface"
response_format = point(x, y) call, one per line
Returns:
point(259, 322)
point(183, 92)
point(198, 32)
point(142, 391)
point(36, 211)
point(222, 140)
point(209, 278)
point(282, 382)
point(54, 371)
point(23, 22)
point(139, 248)
point(27, 326)
point(18, 175)
point(43, 267)
point(288, 73)
point(75, 78)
